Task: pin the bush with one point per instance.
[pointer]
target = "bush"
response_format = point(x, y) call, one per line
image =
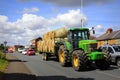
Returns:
point(2, 55)
point(3, 64)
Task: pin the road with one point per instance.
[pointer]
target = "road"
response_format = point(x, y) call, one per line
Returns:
point(51, 70)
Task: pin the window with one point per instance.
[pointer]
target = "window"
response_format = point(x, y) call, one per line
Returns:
point(80, 35)
point(116, 48)
point(110, 50)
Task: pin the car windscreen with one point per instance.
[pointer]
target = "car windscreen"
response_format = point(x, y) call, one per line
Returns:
point(31, 50)
point(116, 48)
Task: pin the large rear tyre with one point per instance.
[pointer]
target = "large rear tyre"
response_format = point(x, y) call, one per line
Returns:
point(44, 56)
point(63, 55)
point(79, 60)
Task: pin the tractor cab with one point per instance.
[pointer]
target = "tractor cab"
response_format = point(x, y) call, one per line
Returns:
point(77, 34)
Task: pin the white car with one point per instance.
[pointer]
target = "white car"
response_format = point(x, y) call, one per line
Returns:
point(24, 51)
point(20, 50)
point(114, 51)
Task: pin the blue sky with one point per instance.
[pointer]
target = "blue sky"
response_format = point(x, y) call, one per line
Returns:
point(32, 18)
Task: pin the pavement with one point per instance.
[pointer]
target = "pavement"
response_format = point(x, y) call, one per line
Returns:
point(17, 70)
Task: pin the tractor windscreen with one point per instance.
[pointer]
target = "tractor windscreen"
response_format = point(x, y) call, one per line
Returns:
point(81, 35)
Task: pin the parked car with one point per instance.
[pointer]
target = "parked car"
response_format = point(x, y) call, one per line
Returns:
point(24, 51)
point(10, 51)
point(20, 50)
point(114, 51)
point(30, 52)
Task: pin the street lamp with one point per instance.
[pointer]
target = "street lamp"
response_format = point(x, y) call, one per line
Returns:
point(5, 42)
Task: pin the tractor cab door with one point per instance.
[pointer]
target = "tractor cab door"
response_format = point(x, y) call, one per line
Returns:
point(74, 39)
point(75, 36)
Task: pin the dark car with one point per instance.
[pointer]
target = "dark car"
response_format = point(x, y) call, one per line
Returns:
point(30, 52)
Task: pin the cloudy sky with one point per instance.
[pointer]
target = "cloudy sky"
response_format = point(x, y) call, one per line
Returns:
point(23, 20)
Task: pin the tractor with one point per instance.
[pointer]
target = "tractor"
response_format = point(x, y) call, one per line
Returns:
point(80, 51)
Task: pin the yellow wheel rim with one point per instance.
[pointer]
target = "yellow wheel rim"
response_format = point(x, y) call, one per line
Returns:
point(76, 61)
point(62, 56)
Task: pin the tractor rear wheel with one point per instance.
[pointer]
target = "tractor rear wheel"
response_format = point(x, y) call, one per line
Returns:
point(63, 55)
point(79, 60)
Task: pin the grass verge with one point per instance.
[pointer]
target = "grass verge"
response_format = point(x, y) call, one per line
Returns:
point(3, 66)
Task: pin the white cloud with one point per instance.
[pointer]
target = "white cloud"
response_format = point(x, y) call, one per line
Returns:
point(3, 18)
point(99, 29)
point(30, 10)
point(31, 26)
point(72, 18)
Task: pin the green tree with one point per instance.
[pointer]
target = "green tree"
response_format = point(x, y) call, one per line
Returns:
point(2, 47)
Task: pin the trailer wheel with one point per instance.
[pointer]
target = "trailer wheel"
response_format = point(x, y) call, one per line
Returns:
point(63, 55)
point(44, 56)
point(79, 60)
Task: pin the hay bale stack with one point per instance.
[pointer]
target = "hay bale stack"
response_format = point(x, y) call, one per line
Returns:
point(47, 44)
point(61, 33)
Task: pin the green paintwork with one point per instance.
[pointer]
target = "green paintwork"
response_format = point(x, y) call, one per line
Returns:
point(84, 44)
point(68, 45)
point(96, 56)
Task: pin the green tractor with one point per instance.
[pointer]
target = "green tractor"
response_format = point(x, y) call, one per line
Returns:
point(81, 52)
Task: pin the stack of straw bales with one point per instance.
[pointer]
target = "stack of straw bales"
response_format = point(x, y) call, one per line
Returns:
point(47, 44)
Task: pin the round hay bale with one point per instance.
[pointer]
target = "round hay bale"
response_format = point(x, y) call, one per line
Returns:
point(61, 33)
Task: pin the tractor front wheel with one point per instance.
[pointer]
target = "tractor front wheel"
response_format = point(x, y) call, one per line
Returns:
point(102, 64)
point(118, 62)
point(105, 63)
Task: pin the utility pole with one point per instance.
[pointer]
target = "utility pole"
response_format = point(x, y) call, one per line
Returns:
point(5, 43)
point(81, 23)
point(81, 7)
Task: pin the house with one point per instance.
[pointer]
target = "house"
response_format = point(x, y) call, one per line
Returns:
point(33, 42)
point(109, 37)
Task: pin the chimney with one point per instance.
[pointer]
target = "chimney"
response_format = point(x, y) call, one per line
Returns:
point(109, 30)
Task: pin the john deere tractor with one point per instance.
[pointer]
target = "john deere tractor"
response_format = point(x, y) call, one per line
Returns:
point(81, 52)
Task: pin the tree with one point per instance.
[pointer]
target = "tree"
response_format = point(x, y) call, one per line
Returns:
point(2, 47)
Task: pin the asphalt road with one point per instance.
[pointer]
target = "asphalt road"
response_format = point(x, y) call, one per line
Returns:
point(51, 70)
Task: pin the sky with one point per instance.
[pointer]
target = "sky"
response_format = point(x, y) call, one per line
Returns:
point(24, 20)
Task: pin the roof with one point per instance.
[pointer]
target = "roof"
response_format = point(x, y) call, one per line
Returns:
point(112, 35)
point(39, 38)
point(92, 37)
